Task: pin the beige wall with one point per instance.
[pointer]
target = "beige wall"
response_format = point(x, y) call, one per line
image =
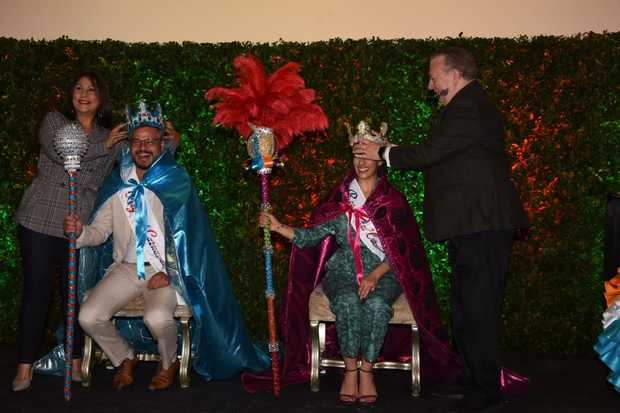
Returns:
point(270, 20)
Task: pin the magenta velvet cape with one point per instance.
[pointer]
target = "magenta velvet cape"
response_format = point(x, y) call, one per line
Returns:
point(400, 237)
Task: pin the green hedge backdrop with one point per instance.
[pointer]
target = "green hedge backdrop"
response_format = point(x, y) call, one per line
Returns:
point(560, 97)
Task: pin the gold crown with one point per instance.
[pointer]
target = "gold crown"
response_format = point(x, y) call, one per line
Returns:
point(365, 133)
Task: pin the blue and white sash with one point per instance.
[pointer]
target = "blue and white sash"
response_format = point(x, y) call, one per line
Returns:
point(150, 239)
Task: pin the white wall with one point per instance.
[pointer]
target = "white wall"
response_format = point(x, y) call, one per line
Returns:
point(270, 20)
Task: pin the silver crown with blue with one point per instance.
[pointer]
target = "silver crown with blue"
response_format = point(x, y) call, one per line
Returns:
point(142, 116)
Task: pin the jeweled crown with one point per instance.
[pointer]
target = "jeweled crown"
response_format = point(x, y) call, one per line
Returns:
point(365, 133)
point(144, 116)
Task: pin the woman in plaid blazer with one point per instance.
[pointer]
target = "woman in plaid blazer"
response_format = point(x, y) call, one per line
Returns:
point(43, 208)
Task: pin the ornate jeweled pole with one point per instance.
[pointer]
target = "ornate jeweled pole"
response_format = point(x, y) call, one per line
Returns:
point(261, 147)
point(282, 107)
point(71, 143)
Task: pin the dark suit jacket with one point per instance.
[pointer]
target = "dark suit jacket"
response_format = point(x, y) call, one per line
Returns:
point(466, 170)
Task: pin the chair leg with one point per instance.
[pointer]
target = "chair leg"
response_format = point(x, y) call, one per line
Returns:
point(184, 374)
point(321, 347)
point(415, 361)
point(315, 356)
point(87, 361)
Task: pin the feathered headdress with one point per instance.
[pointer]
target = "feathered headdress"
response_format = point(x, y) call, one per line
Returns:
point(280, 102)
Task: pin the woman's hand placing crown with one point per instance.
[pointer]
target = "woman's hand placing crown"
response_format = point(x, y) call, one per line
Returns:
point(170, 133)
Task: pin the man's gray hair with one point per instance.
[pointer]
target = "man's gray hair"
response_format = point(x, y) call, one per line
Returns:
point(459, 59)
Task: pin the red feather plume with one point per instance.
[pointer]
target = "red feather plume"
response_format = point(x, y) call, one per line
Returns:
point(280, 102)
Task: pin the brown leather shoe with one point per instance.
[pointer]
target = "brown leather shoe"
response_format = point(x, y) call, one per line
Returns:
point(124, 374)
point(164, 378)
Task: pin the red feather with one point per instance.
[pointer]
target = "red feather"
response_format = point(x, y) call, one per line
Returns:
point(280, 101)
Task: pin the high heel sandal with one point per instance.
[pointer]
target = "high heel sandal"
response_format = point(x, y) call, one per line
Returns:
point(369, 398)
point(22, 384)
point(348, 399)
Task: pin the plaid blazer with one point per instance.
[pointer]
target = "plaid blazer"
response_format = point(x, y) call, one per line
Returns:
point(44, 205)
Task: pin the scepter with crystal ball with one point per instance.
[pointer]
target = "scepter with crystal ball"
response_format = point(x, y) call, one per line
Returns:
point(71, 143)
point(267, 111)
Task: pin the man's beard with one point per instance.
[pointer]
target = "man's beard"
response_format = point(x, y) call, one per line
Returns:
point(140, 164)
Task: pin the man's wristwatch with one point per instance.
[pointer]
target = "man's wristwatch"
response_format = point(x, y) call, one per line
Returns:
point(381, 152)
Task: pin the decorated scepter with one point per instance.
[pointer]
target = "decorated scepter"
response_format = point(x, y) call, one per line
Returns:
point(267, 112)
point(71, 143)
point(261, 147)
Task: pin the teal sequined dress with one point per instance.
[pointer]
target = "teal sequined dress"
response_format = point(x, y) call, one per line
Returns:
point(360, 325)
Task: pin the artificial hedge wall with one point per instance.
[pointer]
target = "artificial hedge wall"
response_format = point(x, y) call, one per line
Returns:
point(560, 97)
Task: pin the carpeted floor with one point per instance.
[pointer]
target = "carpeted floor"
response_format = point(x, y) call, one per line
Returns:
point(557, 385)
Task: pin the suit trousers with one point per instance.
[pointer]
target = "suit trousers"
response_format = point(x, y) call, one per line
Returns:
point(479, 263)
point(116, 289)
point(43, 256)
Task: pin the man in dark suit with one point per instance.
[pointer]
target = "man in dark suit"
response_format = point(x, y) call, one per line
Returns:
point(471, 203)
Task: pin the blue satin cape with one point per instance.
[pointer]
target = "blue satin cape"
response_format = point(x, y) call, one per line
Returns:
point(608, 349)
point(220, 344)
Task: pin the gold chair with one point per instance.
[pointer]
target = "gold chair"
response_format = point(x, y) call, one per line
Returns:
point(320, 314)
point(136, 309)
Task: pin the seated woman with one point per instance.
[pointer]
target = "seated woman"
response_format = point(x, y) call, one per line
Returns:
point(378, 256)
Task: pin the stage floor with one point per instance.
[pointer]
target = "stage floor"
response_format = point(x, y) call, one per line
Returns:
point(557, 385)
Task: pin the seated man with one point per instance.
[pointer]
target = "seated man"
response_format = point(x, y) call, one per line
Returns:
point(144, 210)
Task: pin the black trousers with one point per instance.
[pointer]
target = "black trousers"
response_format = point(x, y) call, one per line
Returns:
point(42, 257)
point(479, 264)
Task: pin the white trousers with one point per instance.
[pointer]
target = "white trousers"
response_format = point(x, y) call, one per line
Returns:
point(116, 289)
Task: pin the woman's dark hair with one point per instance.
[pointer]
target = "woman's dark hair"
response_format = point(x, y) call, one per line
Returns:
point(382, 170)
point(104, 111)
